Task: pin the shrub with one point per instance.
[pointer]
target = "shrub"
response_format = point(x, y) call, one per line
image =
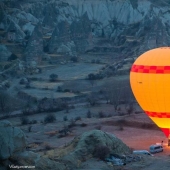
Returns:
point(27, 86)
point(23, 81)
point(12, 57)
point(91, 76)
point(83, 125)
point(101, 152)
point(29, 128)
point(98, 76)
point(89, 114)
point(7, 66)
point(121, 127)
point(53, 77)
point(59, 89)
point(45, 88)
point(49, 118)
point(46, 49)
point(101, 114)
point(65, 118)
point(24, 120)
point(98, 127)
point(98, 61)
point(77, 118)
point(33, 121)
point(74, 59)
point(64, 132)
point(121, 123)
point(72, 123)
point(66, 90)
point(72, 107)
point(4, 100)
point(109, 115)
point(146, 125)
point(93, 61)
point(47, 146)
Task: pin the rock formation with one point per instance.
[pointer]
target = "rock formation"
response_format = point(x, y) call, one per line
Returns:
point(60, 37)
point(34, 50)
point(83, 147)
point(15, 31)
point(81, 33)
point(13, 151)
point(127, 28)
point(12, 140)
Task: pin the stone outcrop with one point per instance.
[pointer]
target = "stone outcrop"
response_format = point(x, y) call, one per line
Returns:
point(34, 50)
point(50, 16)
point(83, 146)
point(59, 37)
point(70, 39)
point(12, 140)
point(81, 33)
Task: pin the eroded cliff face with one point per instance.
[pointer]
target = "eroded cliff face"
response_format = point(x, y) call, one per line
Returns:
point(126, 27)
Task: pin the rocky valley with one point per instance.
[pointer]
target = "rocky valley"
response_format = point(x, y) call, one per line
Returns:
point(65, 97)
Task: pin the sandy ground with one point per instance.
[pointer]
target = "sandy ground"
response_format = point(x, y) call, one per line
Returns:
point(72, 71)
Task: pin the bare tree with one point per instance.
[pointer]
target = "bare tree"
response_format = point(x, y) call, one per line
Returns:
point(116, 92)
point(92, 99)
point(92, 79)
point(106, 95)
point(67, 109)
point(130, 108)
point(129, 99)
point(112, 93)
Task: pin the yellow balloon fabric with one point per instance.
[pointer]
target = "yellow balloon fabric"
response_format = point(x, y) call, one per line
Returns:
point(150, 83)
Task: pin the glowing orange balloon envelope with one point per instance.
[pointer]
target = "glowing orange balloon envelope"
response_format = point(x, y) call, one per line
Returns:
point(150, 83)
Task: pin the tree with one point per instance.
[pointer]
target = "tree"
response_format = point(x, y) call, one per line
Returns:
point(92, 99)
point(4, 100)
point(27, 108)
point(128, 99)
point(116, 92)
point(74, 59)
point(49, 118)
point(53, 77)
point(65, 101)
point(112, 93)
point(12, 57)
point(92, 79)
point(130, 108)
point(91, 76)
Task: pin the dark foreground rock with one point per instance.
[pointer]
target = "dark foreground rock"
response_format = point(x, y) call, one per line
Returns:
point(12, 140)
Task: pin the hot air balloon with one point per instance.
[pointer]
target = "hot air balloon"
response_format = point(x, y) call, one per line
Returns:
point(150, 83)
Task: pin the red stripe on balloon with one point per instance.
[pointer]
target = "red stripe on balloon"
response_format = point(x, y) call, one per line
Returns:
point(166, 131)
point(158, 114)
point(150, 69)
